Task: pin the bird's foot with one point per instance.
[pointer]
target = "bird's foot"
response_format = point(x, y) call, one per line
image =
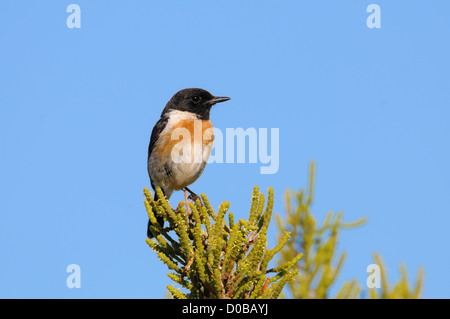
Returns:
point(193, 196)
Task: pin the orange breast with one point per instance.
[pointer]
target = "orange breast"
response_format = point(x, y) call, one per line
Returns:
point(194, 126)
point(200, 131)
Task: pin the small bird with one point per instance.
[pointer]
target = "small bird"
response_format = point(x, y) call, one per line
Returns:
point(174, 164)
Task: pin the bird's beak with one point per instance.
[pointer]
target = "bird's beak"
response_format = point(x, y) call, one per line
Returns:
point(218, 99)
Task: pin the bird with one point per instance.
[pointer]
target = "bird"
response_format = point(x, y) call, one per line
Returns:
point(181, 142)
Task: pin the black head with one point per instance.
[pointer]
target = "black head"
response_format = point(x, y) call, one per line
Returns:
point(196, 101)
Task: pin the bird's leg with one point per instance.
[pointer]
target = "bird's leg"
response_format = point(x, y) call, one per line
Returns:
point(192, 195)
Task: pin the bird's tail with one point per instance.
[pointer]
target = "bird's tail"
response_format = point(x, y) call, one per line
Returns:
point(160, 221)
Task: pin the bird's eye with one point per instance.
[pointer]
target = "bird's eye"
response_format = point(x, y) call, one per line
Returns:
point(196, 99)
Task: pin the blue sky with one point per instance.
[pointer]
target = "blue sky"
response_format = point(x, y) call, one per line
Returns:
point(370, 106)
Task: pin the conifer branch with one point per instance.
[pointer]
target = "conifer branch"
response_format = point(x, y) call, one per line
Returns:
point(210, 258)
point(321, 265)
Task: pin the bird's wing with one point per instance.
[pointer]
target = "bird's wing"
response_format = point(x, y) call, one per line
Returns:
point(157, 129)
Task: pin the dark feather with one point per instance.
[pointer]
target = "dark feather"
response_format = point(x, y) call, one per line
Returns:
point(157, 129)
